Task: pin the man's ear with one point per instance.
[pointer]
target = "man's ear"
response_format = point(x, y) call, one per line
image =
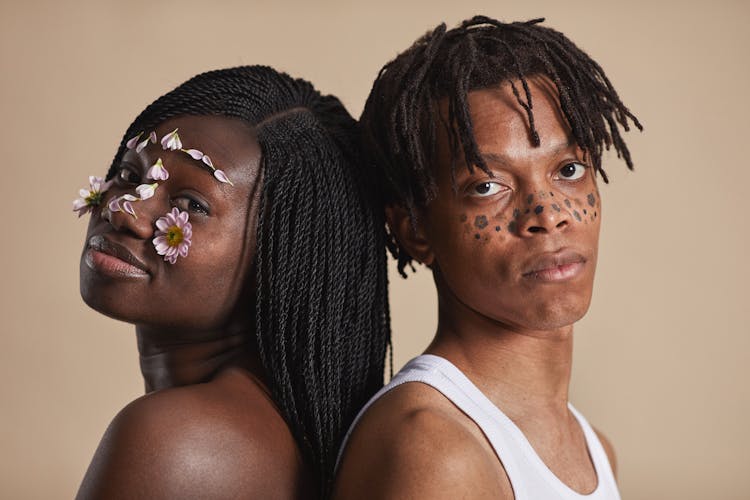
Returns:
point(410, 234)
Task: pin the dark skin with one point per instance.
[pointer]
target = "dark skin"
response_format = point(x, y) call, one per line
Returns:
point(207, 426)
point(513, 274)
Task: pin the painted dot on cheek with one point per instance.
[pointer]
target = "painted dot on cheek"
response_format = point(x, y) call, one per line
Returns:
point(556, 207)
point(577, 215)
point(590, 198)
point(567, 203)
point(529, 199)
point(516, 213)
point(477, 236)
point(497, 228)
point(539, 209)
point(480, 222)
point(552, 194)
point(512, 226)
point(584, 211)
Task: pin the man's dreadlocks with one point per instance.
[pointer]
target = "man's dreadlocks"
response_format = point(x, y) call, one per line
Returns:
point(400, 120)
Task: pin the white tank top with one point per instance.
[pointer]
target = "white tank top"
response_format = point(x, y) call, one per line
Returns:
point(530, 478)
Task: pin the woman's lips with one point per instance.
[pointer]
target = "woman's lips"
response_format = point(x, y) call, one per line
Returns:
point(555, 266)
point(112, 259)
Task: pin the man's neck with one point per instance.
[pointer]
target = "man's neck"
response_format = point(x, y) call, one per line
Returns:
point(523, 372)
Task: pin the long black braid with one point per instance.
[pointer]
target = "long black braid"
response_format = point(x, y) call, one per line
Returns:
point(399, 120)
point(321, 284)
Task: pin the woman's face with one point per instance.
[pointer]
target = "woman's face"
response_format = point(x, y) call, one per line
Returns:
point(122, 275)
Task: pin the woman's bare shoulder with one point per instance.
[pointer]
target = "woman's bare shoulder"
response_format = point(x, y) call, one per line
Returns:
point(222, 439)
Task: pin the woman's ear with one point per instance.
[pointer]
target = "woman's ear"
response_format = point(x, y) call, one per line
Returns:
point(409, 233)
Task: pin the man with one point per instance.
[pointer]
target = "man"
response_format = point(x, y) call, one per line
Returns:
point(488, 139)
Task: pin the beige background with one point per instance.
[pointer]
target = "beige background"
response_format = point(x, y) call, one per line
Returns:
point(661, 359)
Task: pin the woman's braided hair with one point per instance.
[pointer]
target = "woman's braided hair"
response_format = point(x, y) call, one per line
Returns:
point(322, 320)
point(400, 120)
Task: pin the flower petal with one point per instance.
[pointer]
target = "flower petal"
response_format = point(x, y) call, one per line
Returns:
point(194, 153)
point(152, 137)
point(133, 141)
point(146, 191)
point(207, 161)
point(128, 207)
point(222, 177)
point(114, 205)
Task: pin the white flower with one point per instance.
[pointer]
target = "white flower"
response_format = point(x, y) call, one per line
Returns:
point(157, 171)
point(171, 141)
point(91, 197)
point(146, 191)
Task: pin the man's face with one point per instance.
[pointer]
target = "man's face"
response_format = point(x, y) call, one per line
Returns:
point(517, 247)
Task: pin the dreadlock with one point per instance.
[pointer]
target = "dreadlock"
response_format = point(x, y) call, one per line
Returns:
point(322, 320)
point(399, 126)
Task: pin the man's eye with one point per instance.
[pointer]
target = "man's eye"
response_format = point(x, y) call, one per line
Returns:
point(129, 176)
point(573, 171)
point(484, 189)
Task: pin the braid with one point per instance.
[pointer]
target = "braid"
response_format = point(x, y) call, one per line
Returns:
point(322, 320)
point(400, 119)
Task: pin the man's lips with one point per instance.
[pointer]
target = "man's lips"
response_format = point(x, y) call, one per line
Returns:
point(112, 258)
point(555, 266)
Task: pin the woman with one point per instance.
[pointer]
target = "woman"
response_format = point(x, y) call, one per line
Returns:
point(233, 231)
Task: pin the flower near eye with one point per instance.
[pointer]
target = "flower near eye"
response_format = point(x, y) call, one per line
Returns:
point(221, 176)
point(173, 235)
point(199, 155)
point(91, 197)
point(171, 141)
point(133, 142)
point(146, 191)
point(157, 171)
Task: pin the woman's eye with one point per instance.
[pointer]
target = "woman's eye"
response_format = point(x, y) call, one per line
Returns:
point(190, 205)
point(484, 189)
point(129, 176)
point(573, 171)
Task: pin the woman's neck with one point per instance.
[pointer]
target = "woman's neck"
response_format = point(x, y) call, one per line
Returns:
point(172, 361)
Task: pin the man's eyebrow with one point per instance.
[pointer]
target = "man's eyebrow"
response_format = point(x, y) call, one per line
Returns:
point(502, 159)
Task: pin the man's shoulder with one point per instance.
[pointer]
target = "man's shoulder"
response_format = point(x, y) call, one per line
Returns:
point(415, 442)
point(183, 441)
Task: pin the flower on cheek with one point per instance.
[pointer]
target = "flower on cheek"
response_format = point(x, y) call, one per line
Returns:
point(171, 141)
point(157, 171)
point(91, 197)
point(173, 235)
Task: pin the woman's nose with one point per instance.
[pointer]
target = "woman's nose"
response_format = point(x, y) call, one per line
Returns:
point(130, 213)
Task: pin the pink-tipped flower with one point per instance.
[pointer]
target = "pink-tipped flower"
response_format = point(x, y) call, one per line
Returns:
point(194, 153)
point(128, 208)
point(157, 171)
point(146, 191)
point(117, 204)
point(91, 197)
point(222, 177)
point(171, 141)
point(133, 141)
point(173, 235)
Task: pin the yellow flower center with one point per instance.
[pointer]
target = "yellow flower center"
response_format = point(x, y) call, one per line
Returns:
point(94, 198)
point(174, 236)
